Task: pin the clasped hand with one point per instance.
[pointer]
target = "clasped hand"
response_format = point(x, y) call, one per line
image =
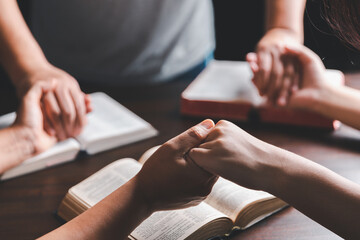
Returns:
point(171, 180)
point(296, 78)
point(64, 105)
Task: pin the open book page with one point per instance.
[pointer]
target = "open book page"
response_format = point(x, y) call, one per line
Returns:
point(231, 198)
point(110, 125)
point(60, 153)
point(7, 119)
point(231, 81)
point(161, 225)
point(177, 224)
point(224, 81)
point(225, 90)
point(101, 184)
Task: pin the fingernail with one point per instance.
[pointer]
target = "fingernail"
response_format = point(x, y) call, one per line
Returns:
point(208, 124)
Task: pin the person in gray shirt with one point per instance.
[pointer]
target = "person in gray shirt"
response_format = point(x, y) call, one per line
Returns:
point(113, 42)
point(123, 42)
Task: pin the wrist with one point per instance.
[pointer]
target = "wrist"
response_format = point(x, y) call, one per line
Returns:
point(317, 99)
point(278, 174)
point(288, 34)
point(24, 137)
point(143, 199)
point(279, 36)
point(22, 77)
point(19, 146)
point(269, 169)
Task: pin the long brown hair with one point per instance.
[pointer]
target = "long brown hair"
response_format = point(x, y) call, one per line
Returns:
point(343, 17)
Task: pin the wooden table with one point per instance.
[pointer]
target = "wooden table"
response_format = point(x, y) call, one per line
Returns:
point(28, 203)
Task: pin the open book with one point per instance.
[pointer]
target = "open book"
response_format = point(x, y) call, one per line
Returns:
point(225, 90)
point(109, 125)
point(227, 206)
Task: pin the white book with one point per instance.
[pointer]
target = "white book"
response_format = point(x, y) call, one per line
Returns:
point(229, 206)
point(109, 125)
point(224, 90)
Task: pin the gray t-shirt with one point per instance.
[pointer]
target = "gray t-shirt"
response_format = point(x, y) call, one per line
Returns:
point(124, 41)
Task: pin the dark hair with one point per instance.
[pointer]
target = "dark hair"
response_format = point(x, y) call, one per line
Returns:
point(343, 17)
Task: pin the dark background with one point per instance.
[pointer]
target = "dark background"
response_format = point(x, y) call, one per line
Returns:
point(240, 24)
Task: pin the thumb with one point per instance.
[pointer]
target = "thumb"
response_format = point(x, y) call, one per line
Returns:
point(30, 105)
point(34, 94)
point(191, 137)
point(39, 89)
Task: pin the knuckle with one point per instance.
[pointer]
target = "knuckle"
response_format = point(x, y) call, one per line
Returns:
point(80, 107)
point(277, 72)
point(222, 127)
point(260, 48)
point(218, 131)
point(68, 115)
point(277, 46)
point(265, 68)
point(223, 123)
point(55, 113)
point(168, 147)
point(220, 143)
point(195, 133)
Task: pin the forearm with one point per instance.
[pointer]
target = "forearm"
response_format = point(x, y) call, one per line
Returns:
point(319, 193)
point(113, 218)
point(19, 51)
point(16, 144)
point(341, 103)
point(286, 15)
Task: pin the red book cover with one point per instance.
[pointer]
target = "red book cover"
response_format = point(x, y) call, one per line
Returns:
point(225, 90)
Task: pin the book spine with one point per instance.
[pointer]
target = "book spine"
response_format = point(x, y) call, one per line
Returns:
point(296, 118)
point(215, 109)
point(242, 111)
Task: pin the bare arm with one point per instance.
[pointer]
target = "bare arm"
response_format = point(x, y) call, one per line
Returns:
point(17, 145)
point(286, 15)
point(316, 94)
point(166, 181)
point(275, 75)
point(26, 137)
point(20, 54)
point(328, 198)
point(341, 103)
point(321, 194)
point(113, 218)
